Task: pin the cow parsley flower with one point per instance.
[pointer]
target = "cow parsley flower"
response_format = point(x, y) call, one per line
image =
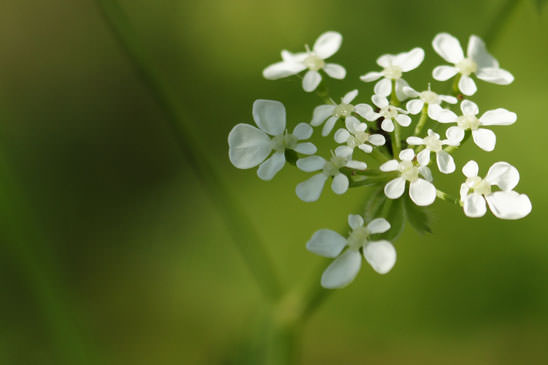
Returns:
point(250, 146)
point(433, 102)
point(345, 110)
point(421, 190)
point(393, 68)
point(477, 61)
point(355, 135)
point(311, 189)
point(389, 113)
point(504, 203)
point(313, 59)
point(381, 255)
point(483, 138)
point(433, 143)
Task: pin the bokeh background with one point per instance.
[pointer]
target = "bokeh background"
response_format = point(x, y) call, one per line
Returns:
point(113, 253)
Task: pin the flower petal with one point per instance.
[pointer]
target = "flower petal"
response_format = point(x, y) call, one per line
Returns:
point(326, 243)
point(395, 188)
point(467, 86)
point(509, 204)
point(400, 85)
point(504, 175)
point(484, 139)
point(371, 76)
point(444, 73)
point(423, 157)
point(381, 255)
point(282, 69)
point(445, 162)
point(414, 106)
point(408, 154)
point(378, 225)
point(311, 189)
point(269, 115)
point(321, 113)
point(448, 47)
point(335, 71)
point(311, 163)
point(387, 125)
point(340, 183)
point(380, 101)
point(470, 169)
point(328, 126)
point(356, 165)
point(377, 139)
point(365, 148)
point(349, 96)
point(391, 165)
point(341, 135)
point(311, 80)
point(422, 192)
point(415, 141)
point(498, 116)
point(403, 120)
point(495, 75)
point(455, 134)
point(469, 107)
point(478, 53)
point(364, 110)
point(327, 44)
point(271, 166)
point(383, 87)
point(248, 146)
point(436, 112)
point(306, 148)
point(342, 270)
point(355, 221)
point(474, 205)
point(408, 61)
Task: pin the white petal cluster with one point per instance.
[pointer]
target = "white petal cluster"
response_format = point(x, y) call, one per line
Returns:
point(311, 189)
point(250, 146)
point(504, 202)
point(345, 111)
point(421, 190)
point(432, 101)
point(312, 60)
point(393, 68)
point(433, 143)
point(355, 135)
point(381, 255)
point(389, 114)
point(477, 61)
point(484, 138)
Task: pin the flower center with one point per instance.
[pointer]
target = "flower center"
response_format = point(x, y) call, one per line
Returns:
point(343, 110)
point(357, 139)
point(433, 143)
point(467, 66)
point(331, 168)
point(313, 62)
point(284, 141)
point(390, 112)
point(430, 97)
point(468, 122)
point(409, 171)
point(358, 238)
point(392, 72)
point(479, 185)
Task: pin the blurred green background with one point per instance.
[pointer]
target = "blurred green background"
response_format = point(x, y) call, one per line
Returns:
point(113, 253)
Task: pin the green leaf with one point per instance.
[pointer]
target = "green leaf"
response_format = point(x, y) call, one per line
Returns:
point(394, 212)
point(417, 216)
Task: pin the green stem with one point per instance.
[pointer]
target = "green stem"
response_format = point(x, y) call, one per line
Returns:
point(455, 88)
point(446, 197)
point(239, 226)
point(396, 137)
point(492, 32)
point(422, 120)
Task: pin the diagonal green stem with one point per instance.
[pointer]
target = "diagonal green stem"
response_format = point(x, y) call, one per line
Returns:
point(499, 20)
point(240, 227)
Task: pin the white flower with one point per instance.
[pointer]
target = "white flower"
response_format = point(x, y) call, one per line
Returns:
point(390, 113)
point(344, 110)
point(433, 101)
point(355, 135)
point(421, 191)
point(325, 46)
point(381, 255)
point(504, 203)
point(250, 146)
point(393, 67)
point(433, 143)
point(311, 189)
point(477, 61)
point(483, 138)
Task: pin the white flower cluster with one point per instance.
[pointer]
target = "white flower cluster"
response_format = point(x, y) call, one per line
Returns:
point(377, 148)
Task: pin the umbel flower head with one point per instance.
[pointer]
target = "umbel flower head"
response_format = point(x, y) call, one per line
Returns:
point(477, 61)
point(389, 114)
point(433, 143)
point(381, 255)
point(313, 59)
point(504, 203)
point(250, 146)
point(432, 101)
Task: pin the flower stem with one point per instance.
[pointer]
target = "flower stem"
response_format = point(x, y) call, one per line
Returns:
point(444, 196)
point(238, 224)
point(422, 120)
point(396, 145)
